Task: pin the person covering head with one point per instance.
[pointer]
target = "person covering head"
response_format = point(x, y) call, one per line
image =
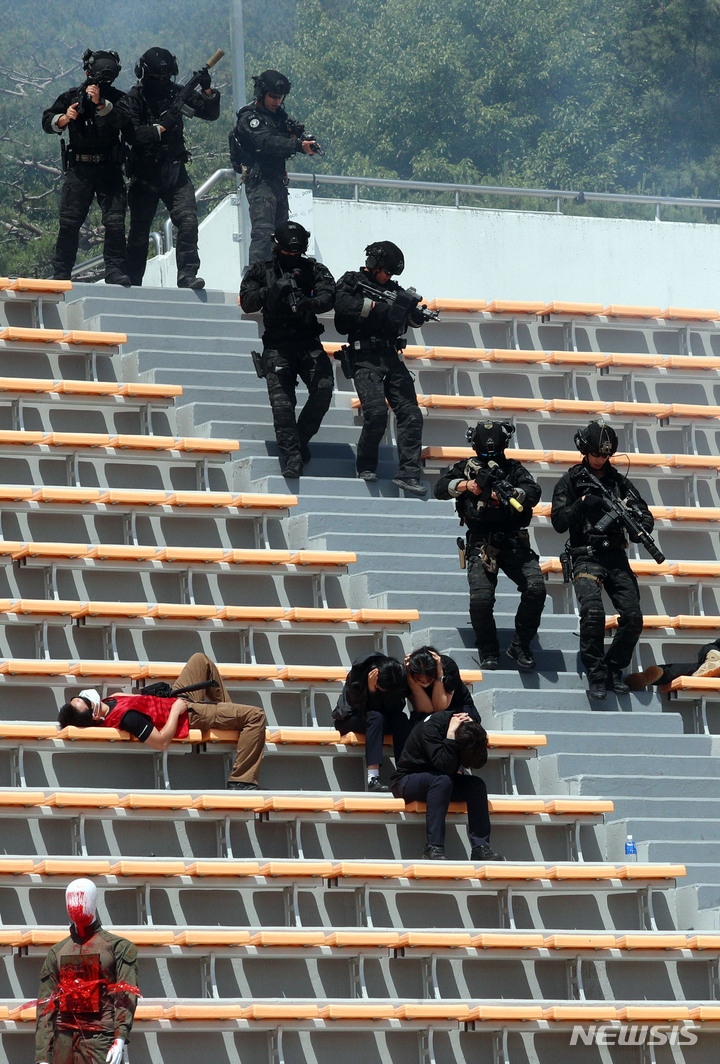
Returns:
point(384, 255)
point(272, 82)
point(290, 237)
point(490, 438)
point(598, 439)
point(102, 66)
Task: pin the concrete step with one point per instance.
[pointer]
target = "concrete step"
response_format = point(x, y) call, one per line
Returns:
point(640, 786)
point(143, 331)
point(629, 744)
point(559, 722)
point(634, 764)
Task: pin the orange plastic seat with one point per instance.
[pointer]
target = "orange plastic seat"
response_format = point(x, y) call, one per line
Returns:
point(326, 557)
point(249, 500)
point(76, 866)
point(301, 803)
point(634, 410)
point(207, 445)
point(367, 616)
point(66, 387)
point(156, 800)
point(55, 550)
point(513, 740)
point(505, 1013)
point(144, 443)
point(251, 613)
point(295, 937)
point(652, 871)
point(654, 1013)
point(581, 806)
point(39, 285)
point(116, 609)
point(633, 360)
point(580, 870)
point(21, 438)
point(615, 310)
point(78, 439)
point(121, 552)
point(652, 941)
point(313, 673)
point(134, 497)
point(253, 556)
point(435, 939)
point(249, 801)
point(281, 1011)
point(134, 389)
point(508, 940)
point(81, 799)
point(576, 406)
point(318, 615)
point(65, 495)
point(500, 354)
point(575, 358)
point(514, 306)
point(224, 868)
point(16, 334)
point(582, 1013)
point(229, 936)
point(181, 611)
point(581, 310)
point(12, 730)
point(211, 499)
point(149, 867)
point(367, 869)
point(297, 869)
point(35, 667)
point(688, 314)
point(692, 362)
point(205, 1010)
point(21, 798)
point(34, 385)
point(365, 937)
point(574, 941)
point(357, 1010)
point(94, 339)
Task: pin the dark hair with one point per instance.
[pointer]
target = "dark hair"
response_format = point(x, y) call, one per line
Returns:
point(70, 716)
point(391, 676)
point(471, 740)
point(421, 662)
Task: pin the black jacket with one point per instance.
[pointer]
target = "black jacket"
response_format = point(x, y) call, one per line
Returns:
point(569, 513)
point(141, 114)
point(479, 513)
point(356, 316)
point(266, 139)
point(282, 324)
point(92, 132)
point(355, 696)
point(427, 749)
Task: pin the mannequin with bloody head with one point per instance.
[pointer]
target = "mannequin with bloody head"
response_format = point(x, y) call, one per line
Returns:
point(87, 989)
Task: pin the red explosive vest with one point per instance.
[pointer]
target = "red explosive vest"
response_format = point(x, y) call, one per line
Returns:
point(158, 709)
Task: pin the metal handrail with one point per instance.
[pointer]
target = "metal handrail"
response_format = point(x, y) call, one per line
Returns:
point(559, 195)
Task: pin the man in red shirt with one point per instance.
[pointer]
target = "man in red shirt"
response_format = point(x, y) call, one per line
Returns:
point(157, 721)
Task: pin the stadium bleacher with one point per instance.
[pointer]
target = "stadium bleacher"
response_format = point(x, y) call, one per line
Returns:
point(297, 922)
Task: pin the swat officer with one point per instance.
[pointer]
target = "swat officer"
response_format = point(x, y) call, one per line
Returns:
point(92, 164)
point(292, 289)
point(494, 497)
point(158, 155)
point(375, 361)
point(599, 558)
point(263, 139)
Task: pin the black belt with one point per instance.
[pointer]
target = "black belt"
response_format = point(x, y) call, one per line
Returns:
point(90, 158)
point(378, 342)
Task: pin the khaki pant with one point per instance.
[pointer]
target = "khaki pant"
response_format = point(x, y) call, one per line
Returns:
point(219, 712)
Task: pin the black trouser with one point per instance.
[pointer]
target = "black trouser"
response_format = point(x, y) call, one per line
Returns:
point(375, 725)
point(381, 379)
point(268, 207)
point(521, 564)
point(611, 570)
point(684, 668)
point(179, 198)
point(307, 360)
point(438, 790)
point(83, 182)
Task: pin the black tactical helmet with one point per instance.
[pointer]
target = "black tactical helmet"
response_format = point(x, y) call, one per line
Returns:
point(271, 81)
point(156, 63)
point(292, 237)
point(490, 438)
point(598, 438)
point(105, 66)
point(384, 255)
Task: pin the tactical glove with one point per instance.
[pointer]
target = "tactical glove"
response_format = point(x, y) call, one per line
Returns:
point(205, 80)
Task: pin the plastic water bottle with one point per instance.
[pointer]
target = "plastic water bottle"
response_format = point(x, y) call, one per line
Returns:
point(630, 848)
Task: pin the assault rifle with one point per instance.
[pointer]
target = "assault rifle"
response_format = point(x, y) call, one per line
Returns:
point(402, 303)
point(624, 511)
point(296, 296)
point(181, 102)
point(297, 129)
point(491, 475)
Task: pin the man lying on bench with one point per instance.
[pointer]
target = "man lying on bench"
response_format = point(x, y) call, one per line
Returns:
point(156, 720)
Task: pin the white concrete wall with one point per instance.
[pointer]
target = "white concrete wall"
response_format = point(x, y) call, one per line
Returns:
point(492, 254)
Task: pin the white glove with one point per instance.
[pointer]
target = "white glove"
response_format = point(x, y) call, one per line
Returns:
point(115, 1052)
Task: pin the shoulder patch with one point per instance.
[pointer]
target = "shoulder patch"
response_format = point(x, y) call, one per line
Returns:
point(254, 123)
